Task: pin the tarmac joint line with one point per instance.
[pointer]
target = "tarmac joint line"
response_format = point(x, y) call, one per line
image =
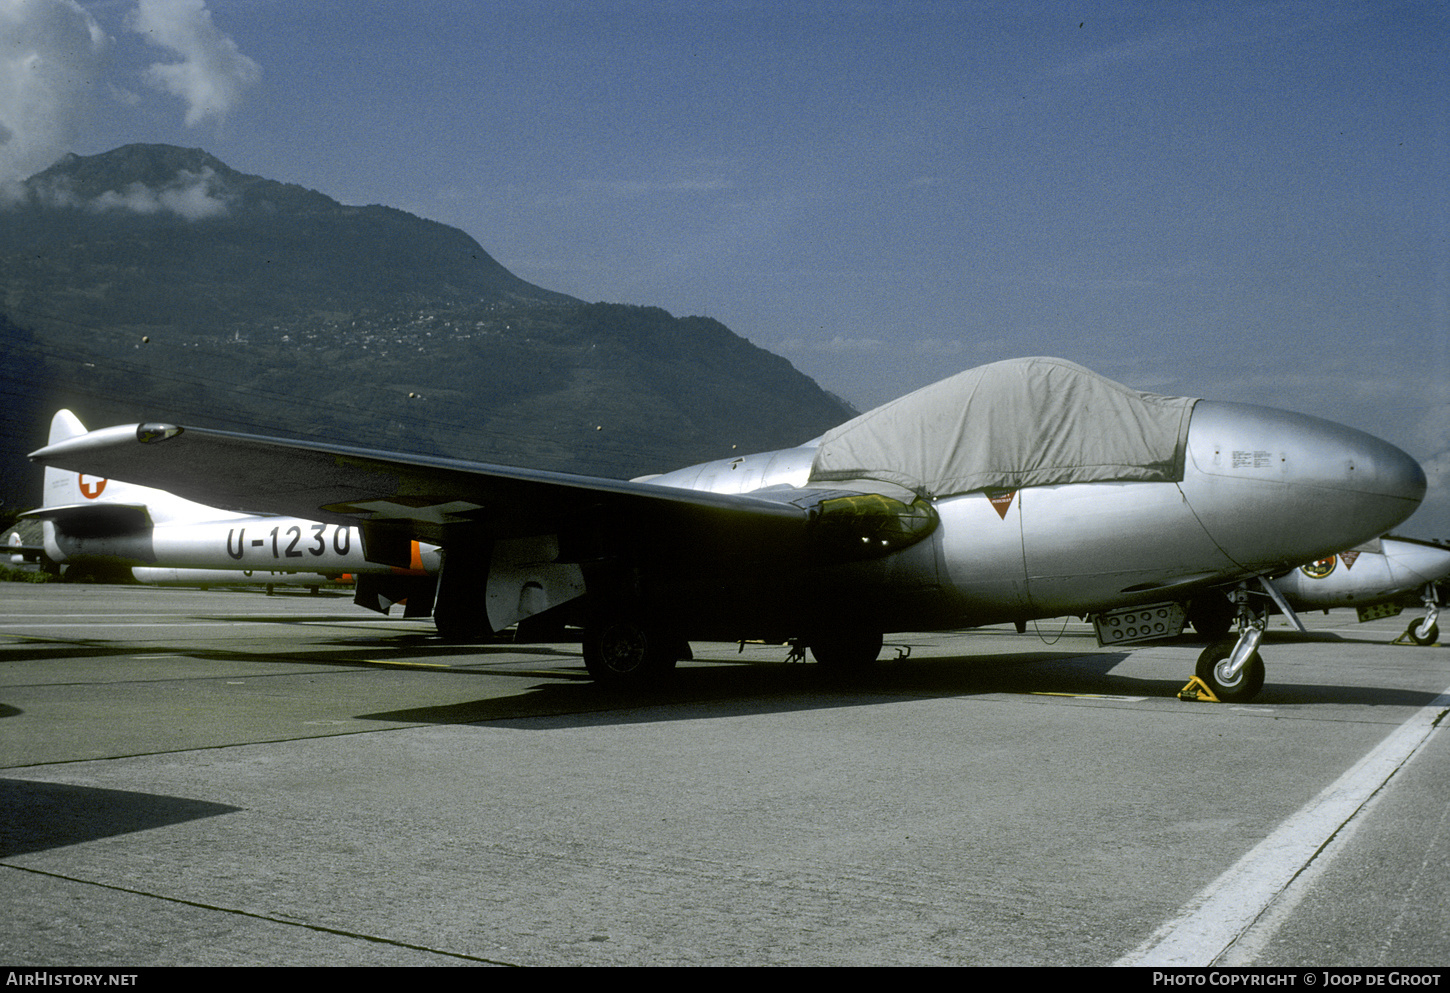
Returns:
point(339, 932)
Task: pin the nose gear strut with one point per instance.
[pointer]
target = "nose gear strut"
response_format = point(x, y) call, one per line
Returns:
point(1231, 670)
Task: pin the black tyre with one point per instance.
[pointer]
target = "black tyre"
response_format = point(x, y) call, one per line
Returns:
point(1421, 634)
point(626, 652)
point(846, 650)
point(458, 625)
point(1213, 669)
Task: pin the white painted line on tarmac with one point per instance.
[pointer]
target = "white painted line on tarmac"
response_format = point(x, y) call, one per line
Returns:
point(1214, 919)
point(133, 624)
point(182, 623)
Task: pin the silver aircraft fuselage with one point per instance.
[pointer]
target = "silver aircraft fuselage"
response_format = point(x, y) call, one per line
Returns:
point(1263, 490)
point(1386, 570)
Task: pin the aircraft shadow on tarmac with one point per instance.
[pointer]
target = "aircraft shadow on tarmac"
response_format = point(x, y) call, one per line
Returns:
point(336, 653)
point(1310, 694)
point(41, 651)
point(39, 816)
point(723, 689)
point(561, 691)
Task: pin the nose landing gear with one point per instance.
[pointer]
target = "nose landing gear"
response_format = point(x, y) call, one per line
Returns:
point(1426, 630)
point(1230, 670)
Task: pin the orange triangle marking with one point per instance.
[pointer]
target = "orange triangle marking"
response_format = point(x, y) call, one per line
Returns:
point(1001, 501)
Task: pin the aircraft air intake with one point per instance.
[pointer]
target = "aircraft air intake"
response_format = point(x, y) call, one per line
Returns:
point(868, 525)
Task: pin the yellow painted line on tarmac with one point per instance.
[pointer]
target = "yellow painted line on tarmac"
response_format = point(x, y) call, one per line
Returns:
point(398, 665)
point(1091, 696)
point(346, 662)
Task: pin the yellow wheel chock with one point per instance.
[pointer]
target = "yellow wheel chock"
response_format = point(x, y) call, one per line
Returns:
point(1197, 689)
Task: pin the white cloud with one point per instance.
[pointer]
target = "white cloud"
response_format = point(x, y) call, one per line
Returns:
point(52, 56)
point(50, 194)
point(53, 59)
point(1432, 520)
point(212, 74)
point(192, 195)
point(942, 347)
point(631, 188)
point(836, 345)
point(1431, 402)
point(189, 195)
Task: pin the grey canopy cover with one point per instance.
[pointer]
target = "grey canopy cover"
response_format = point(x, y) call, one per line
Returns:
point(1021, 422)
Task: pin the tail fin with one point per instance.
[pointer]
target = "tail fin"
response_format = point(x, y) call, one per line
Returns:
point(63, 487)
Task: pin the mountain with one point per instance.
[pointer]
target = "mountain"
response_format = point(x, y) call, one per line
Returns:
point(154, 282)
point(160, 235)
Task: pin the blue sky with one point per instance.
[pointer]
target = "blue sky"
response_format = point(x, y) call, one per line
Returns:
point(1242, 201)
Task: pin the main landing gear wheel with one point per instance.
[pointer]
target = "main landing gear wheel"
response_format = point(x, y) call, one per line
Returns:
point(1421, 633)
point(461, 626)
point(847, 651)
point(1213, 669)
point(626, 652)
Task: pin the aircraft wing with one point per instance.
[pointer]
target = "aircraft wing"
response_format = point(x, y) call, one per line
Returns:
point(397, 498)
point(94, 520)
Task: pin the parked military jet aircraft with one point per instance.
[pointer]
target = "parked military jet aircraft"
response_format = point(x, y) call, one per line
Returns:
point(1384, 573)
point(1026, 488)
point(21, 553)
point(109, 527)
point(1378, 578)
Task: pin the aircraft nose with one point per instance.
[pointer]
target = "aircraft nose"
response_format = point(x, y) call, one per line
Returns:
point(1272, 485)
point(1414, 563)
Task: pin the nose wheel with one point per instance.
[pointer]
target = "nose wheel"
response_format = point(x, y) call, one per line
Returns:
point(1423, 632)
point(1230, 669)
point(1426, 630)
point(1226, 680)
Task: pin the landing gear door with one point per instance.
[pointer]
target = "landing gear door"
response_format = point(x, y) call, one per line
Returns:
point(524, 579)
